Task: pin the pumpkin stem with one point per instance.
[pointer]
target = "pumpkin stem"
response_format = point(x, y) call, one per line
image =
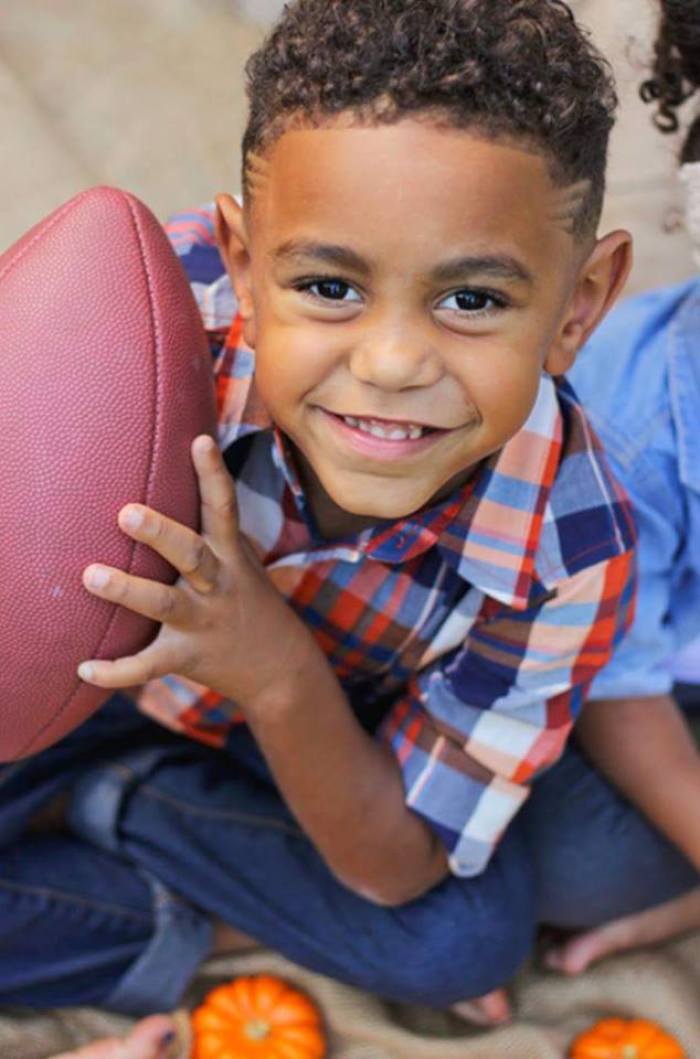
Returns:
point(630, 1051)
point(259, 1029)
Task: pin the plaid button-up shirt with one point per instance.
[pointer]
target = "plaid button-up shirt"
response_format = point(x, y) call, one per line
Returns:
point(476, 625)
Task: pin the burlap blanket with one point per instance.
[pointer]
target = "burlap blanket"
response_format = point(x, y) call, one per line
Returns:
point(663, 984)
point(71, 72)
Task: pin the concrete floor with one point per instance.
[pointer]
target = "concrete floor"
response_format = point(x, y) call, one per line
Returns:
point(148, 95)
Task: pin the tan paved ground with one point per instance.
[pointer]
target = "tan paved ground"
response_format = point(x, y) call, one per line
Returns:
point(147, 94)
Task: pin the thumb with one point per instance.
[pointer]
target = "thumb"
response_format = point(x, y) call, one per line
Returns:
point(152, 1038)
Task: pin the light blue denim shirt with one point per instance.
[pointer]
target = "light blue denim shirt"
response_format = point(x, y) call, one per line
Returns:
point(639, 379)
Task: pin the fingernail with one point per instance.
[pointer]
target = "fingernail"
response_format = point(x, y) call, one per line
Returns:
point(133, 518)
point(85, 671)
point(206, 445)
point(97, 577)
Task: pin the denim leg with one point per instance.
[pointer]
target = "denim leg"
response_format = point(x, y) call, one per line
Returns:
point(27, 785)
point(79, 925)
point(72, 921)
point(595, 856)
point(215, 830)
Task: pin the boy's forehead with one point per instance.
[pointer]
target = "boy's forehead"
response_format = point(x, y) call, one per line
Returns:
point(432, 182)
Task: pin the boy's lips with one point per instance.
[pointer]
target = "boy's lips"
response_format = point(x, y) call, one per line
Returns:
point(388, 439)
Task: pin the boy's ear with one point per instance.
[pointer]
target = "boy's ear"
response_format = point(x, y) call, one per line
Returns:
point(600, 282)
point(232, 237)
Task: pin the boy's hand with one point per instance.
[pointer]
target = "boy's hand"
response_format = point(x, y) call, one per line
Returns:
point(223, 624)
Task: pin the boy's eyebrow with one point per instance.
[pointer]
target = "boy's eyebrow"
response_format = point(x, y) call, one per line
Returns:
point(329, 253)
point(496, 266)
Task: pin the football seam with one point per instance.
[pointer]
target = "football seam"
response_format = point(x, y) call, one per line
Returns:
point(128, 200)
point(158, 343)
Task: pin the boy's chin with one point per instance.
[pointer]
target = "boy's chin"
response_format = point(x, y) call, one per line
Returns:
point(387, 503)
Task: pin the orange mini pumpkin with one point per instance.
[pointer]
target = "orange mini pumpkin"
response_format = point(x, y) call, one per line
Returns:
point(621, 1039)
point(260, 1017)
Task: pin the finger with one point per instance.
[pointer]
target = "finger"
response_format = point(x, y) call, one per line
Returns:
point(218, 495)
point(153, 1036)
point(150, 1039)
point(107, 1048)
point(161, 603)
point(130, 671)
point(180, 546)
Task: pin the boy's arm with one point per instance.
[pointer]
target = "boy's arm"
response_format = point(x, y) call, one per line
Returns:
point(224, 625)
point(474, 727)
point(467, 739)
point(644, 746)
point(344, 787)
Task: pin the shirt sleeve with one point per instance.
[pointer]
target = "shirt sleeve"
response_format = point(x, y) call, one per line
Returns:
point(642, 663)
point(193, 238)
point(477, 726)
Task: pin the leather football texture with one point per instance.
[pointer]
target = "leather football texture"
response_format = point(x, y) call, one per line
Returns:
point(105, 380)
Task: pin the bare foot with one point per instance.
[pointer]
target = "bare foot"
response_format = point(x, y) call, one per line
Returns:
point(152, 1038)
point(490, 1010)
point(647, 928)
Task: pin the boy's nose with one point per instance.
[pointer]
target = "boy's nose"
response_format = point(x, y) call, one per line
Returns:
point(396, 361)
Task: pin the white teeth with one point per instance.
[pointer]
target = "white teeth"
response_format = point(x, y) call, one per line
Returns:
point(387, 431)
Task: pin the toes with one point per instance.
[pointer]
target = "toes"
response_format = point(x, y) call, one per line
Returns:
point(470, 1011)
point(490, 1010)
point(496, 1006)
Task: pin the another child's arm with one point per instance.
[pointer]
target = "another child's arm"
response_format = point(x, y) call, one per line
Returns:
point(644, 746)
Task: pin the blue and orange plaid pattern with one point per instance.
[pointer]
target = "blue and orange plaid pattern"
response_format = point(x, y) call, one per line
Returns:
point(479, 624)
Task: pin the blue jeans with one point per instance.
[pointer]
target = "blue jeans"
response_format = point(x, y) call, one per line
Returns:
point(164, 834)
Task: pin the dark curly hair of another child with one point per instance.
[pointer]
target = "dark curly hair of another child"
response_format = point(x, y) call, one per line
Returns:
point(676, 71)
point(519, 70)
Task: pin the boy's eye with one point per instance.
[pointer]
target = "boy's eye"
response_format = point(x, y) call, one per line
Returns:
point(475, 302)
point(330, 290)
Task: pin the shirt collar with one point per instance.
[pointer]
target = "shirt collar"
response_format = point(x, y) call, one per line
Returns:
point(493, 541)
point(488, 530)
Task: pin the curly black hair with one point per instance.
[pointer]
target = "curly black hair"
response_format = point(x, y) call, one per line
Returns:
point(676, 71)
point(515, 69)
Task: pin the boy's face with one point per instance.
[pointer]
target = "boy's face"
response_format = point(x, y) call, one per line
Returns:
point(404, 286)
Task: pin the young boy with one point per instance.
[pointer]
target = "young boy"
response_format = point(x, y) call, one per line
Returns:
point(645, 407)
point(424, 564)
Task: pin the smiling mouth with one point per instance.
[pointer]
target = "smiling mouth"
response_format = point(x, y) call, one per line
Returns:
point(387, 429)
